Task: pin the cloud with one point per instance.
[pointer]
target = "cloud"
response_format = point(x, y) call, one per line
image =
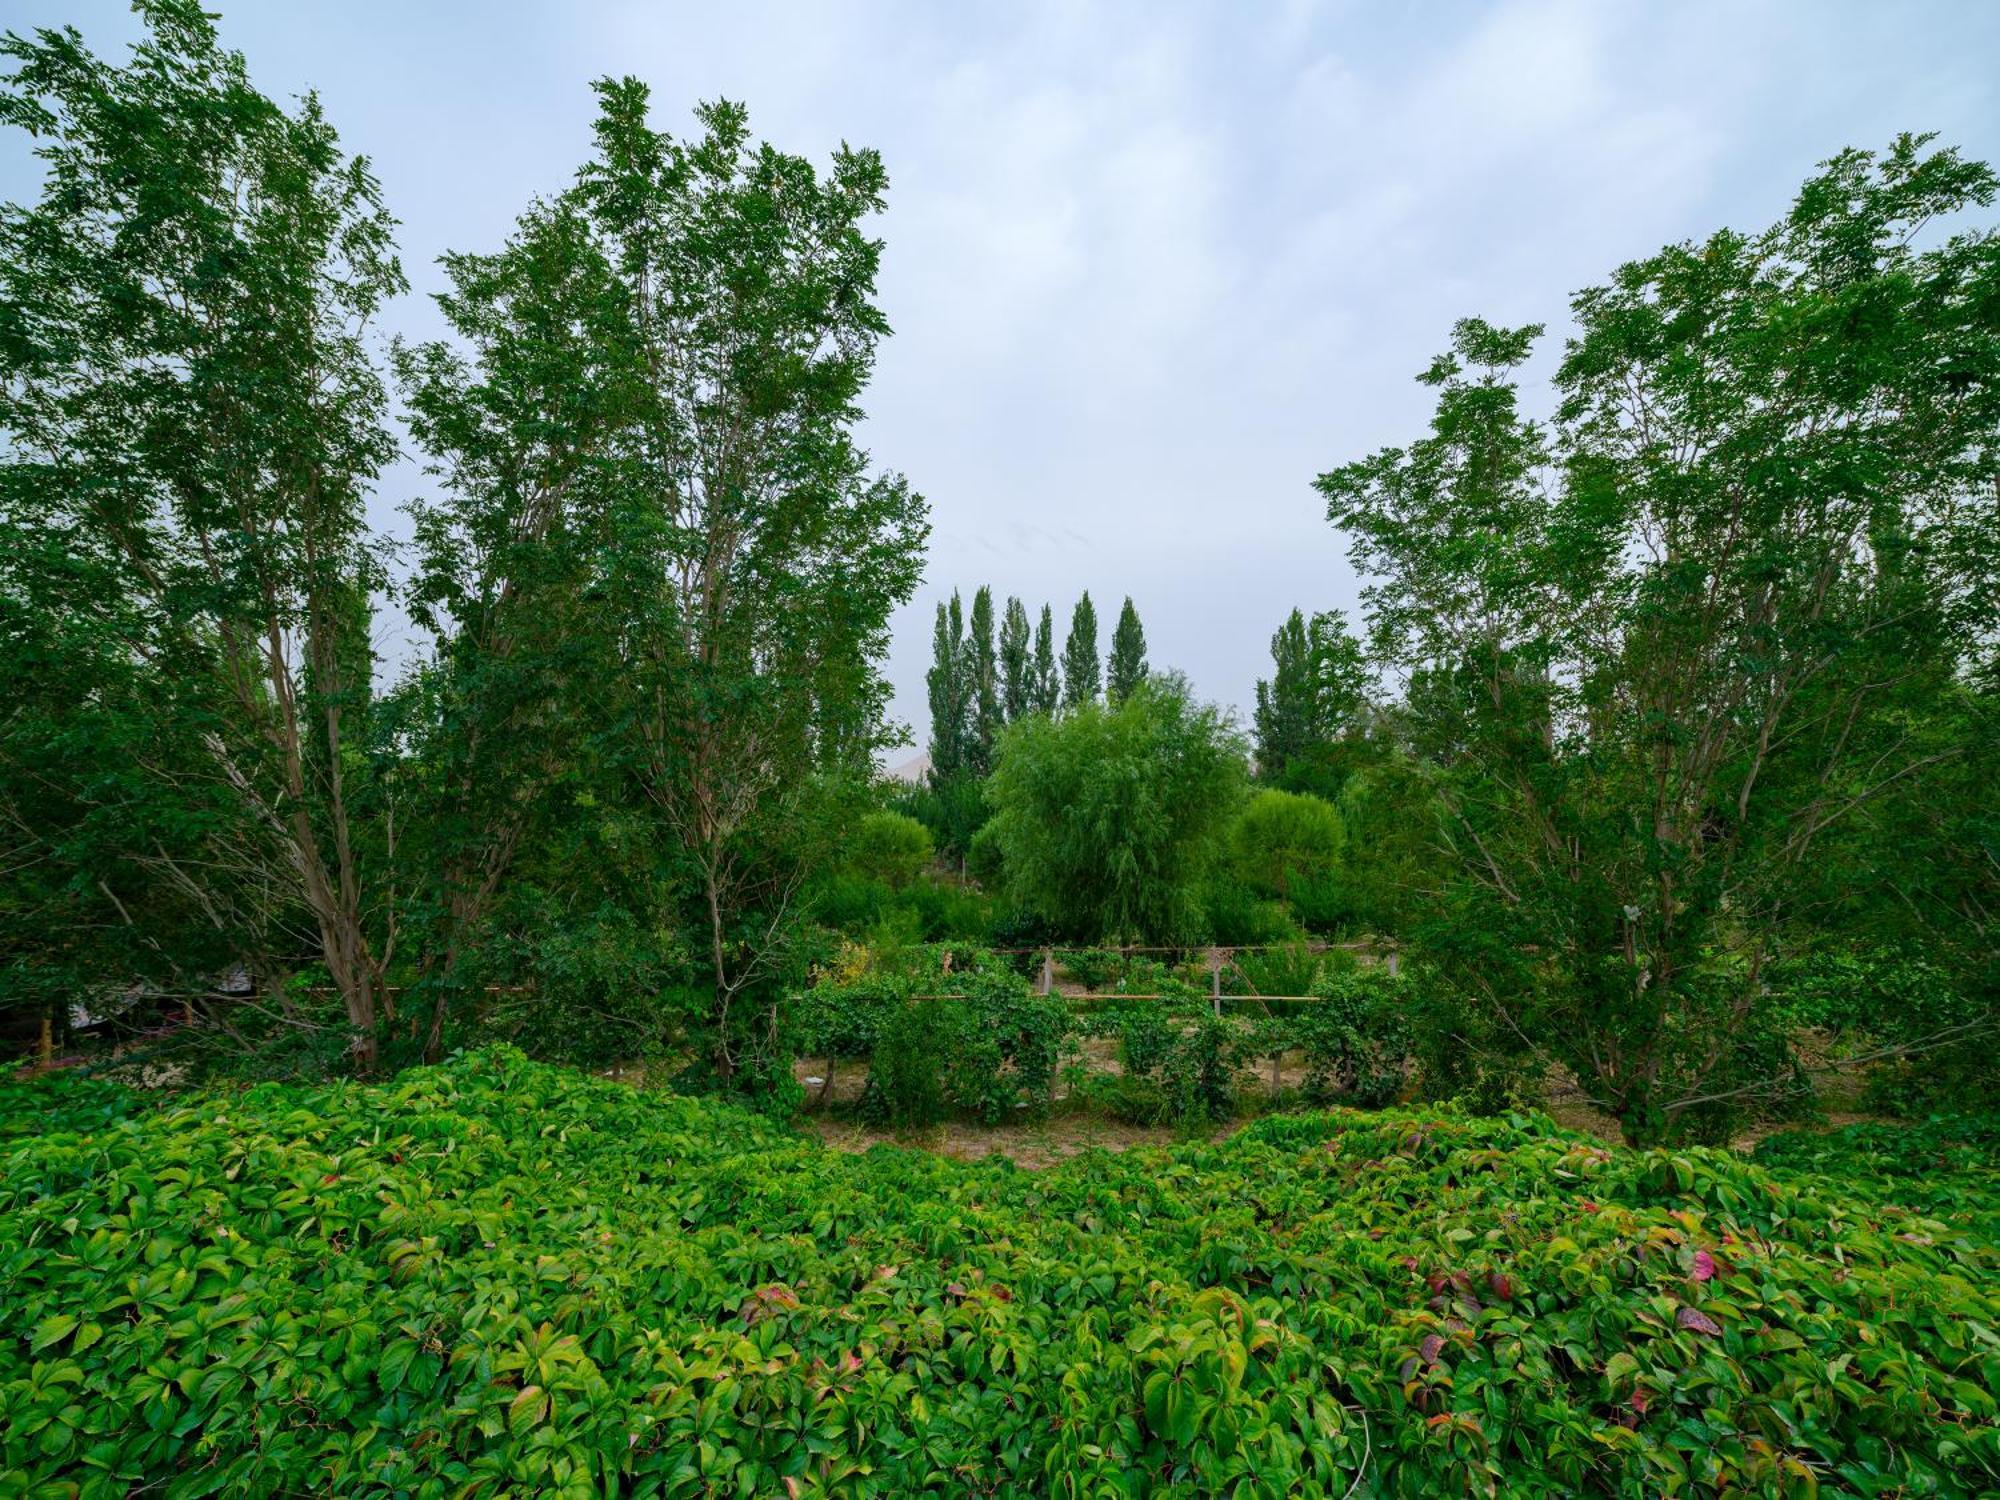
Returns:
point(1152, 266)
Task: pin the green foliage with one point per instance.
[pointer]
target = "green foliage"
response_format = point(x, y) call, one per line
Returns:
point(1093, 968)
point(1233, 915)
point(950, 685)
point(1016, 669)
point(498, 1272)
point(1316, 692)
point(1656, 648)
point(65, 1102)
point(1109, 817)
point(1946, 1167)
point(1283, 842)
point(984, 860)
point(1082, 678)
point(1044, 682)
point(891, 847)
point(1179, 1062)
point(1289, 968)
point(1879, 1003)
point(1358, 1040)
point(190, 421)
point(1125, 668)
point(905, 1082)
point(983, 695)
point(952, 807)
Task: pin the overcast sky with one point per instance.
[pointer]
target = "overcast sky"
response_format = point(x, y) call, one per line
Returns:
point(1151, 266)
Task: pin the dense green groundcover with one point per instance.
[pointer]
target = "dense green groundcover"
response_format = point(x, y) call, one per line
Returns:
point(497, 1277)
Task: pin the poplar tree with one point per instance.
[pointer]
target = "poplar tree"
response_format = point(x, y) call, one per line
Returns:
point(983, 685)
point(1125, 668)
point(1016, 683)
point(1044, 686)
point(1081, 675)
point(1316, 688)
point(950, 720)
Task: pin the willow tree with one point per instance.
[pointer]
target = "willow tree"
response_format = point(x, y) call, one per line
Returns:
point(1657, 650)
point(189, 419)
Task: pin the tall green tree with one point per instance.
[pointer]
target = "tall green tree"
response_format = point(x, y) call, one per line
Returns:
point(1016, 670)
point(950, 701)
point(1045, 684)
point(983, 669)
point(522, 419)
point(1081, 675)
point(1316, 691)
point(1657, 651)
point(755, 558)
point(1125, 668)
point(1109, 817)
point(191, 421)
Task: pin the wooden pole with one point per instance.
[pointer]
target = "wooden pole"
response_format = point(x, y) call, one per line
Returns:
point(1048, 970)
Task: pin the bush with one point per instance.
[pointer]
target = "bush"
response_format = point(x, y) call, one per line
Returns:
point(999, 1048)
point(984, 860)
point(989, 1056)
point(1887, 998)
point(891, 847)
point(511, 1277)
point(1235, 917)
point(1093, 968)
point(1283, 838)
point(1357, 1039)
point(1287, 969)
point(1180, 1062)
point(905, 1080)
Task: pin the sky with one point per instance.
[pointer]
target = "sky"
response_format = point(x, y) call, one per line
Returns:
point(1151, 267)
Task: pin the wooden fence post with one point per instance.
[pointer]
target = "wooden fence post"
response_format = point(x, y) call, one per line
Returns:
point(1215, 979)
point(1048, 970)
point(1394, 955)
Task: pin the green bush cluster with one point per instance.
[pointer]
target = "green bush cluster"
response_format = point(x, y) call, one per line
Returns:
point(973, 1041)
point(501, 1277)
point(1948, 1165)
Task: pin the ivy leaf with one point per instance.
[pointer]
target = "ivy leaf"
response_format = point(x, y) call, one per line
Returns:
point(527, 1409)
point(1697, 1320)
point(51, 1330)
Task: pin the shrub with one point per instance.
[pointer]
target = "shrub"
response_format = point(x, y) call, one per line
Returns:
point(1885, 998)
point(504, 1277)
point(905, 1079)
point(1357, 1039)
point(1234, 916)
point(1288, 969)
point(891, 847)
point(1093, 968)
point(1000, 1047)
point(1283, 838)
point(984, 860)
point(1179, 1061)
